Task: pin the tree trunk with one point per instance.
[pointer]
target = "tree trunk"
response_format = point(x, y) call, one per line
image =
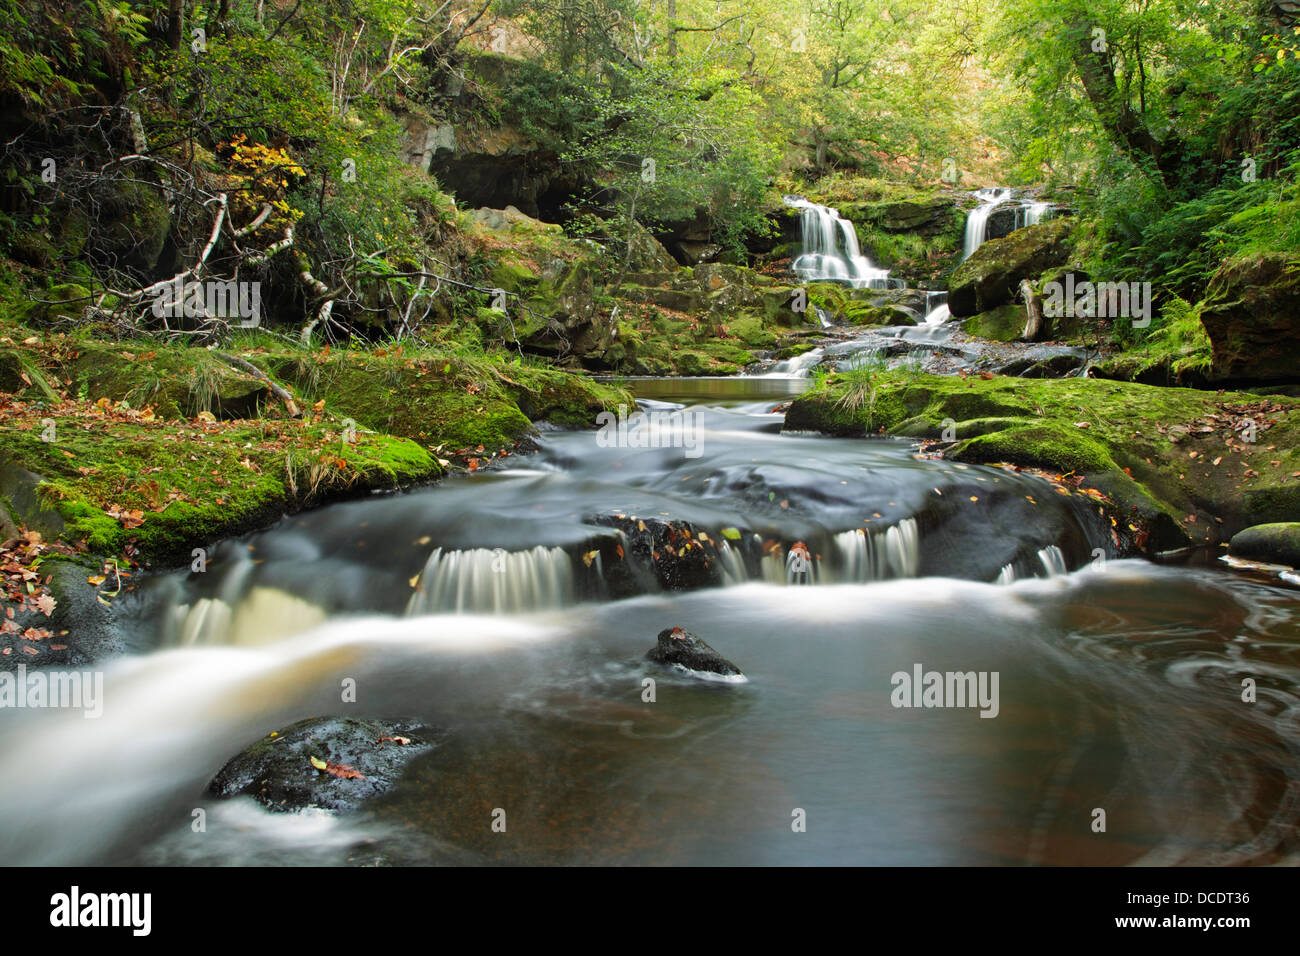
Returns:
point(1037, 325)
point(1127, 127)
point(175, 23)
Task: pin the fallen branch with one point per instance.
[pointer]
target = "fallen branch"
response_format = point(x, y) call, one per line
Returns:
point(1037, 325)
point(278, 391)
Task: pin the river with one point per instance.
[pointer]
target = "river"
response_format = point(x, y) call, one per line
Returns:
point(512, 609)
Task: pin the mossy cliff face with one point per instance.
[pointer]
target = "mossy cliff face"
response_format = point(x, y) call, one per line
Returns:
point(1179, 463)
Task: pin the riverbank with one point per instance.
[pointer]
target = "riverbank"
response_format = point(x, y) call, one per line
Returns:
point(1190, 467)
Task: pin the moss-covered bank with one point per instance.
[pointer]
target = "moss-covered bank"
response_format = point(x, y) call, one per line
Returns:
point(1186, 466)
point(171, 448)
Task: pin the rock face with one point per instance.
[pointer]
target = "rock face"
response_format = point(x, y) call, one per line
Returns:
point(364, 757)
point(1252, 316)
point(1273, 543)
point(676, 646)
point(990, 276)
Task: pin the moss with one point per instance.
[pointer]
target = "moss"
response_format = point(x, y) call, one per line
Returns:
point(1003, 324)
point(1171, 455)
point(514, 277)
point(196, 484)
point(750, 330)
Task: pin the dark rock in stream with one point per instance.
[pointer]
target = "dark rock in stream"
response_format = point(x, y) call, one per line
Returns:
point(1275, 543)
point(363, 759)
point(677, 646)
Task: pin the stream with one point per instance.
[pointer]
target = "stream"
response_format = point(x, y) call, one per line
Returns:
point(512, 609)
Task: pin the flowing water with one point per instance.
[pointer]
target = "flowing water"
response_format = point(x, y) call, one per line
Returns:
point(831, 251)
point(497, 607)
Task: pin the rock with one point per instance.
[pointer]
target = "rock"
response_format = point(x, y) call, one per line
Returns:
point(659, 553)
point(1252, 316)
point(645, 252)
point(676, 646)
point(513, 220)
point(925, 216)
point(989, 278)
point(1272, 543)
point(131, 225)
point(278, 772)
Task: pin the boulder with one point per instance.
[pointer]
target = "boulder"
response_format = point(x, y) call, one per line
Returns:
point(1271, 543)
point(676, 646)
point(989, 278)
point(363, 759)
point(1252, 316)
point(645, 252)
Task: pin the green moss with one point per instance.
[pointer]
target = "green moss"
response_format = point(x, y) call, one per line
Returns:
point(1152, 450)
point(1003, 324)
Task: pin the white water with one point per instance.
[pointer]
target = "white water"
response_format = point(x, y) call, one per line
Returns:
point(831, 250)
point(497, 581)
point(978, 218)
point(1032, 213)
point(1028, 213)
point(797, 367)
point(1053, 561)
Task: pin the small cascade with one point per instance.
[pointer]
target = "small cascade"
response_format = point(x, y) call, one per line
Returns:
point(1029, 212)
point(797, 367)
point(1007, 575)
point(732, 566)
point(936, 308)
point(823, 317)
point(831, 251)
point(1053, 561)
point(977, 219)
point(262, 615)
point(867, 556)
point(480, 580)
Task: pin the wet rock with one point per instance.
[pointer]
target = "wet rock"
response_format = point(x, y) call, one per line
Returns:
point(1252, 316)
point(364, 757)
point(676, 646)
point(1273, 543)
point(990, 277)
point(658, 554)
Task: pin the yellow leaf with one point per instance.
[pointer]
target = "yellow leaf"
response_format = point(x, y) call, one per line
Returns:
point(318, 764)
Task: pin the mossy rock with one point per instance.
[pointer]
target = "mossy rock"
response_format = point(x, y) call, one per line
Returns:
point(991, 276)
point(130, 226)
point(1002, 324)
point(1168, 457)
point(1252, 316)
point(1274, 543)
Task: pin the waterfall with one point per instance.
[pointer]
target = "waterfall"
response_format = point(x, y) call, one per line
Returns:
point(481, 580)
point(1007, 575)
point(977, 220)
point(1028, 213)
point(260, 616)
point(797, 367)
point(831, 251)
point(936, 314)
point(1053, 561)
point(868, 556)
